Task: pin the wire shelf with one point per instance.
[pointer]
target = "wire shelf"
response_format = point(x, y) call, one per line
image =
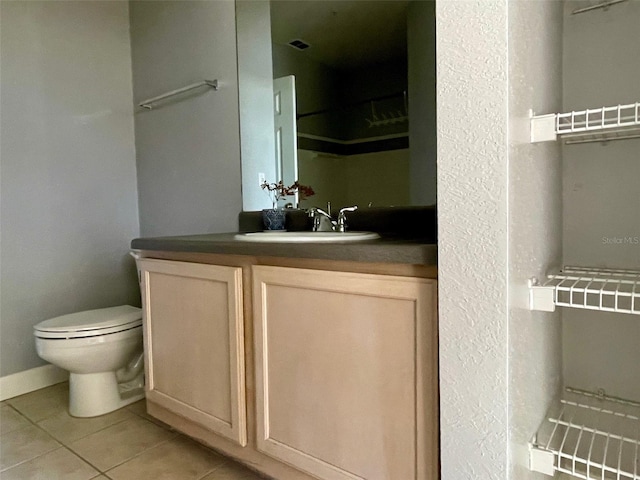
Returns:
point(589, 437)
point(605, 290)
point(590, 125)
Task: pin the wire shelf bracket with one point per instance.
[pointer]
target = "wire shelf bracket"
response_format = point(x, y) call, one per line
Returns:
point(602, 124)
point(590, 436)
point(148, 104)
point(605, 290)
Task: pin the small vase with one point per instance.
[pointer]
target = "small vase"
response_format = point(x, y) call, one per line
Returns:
point(273, 219)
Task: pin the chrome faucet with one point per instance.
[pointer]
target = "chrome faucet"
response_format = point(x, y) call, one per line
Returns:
point(322, 221)
point(342, 218)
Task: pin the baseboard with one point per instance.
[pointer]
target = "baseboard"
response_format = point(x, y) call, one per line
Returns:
point(30, 380)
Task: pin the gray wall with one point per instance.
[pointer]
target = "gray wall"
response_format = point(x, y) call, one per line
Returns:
point(535, 221)
point(188, 151)
point(601, 194)
point(68, 187)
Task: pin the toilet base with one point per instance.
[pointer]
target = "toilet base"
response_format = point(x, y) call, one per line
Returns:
point(94, 394)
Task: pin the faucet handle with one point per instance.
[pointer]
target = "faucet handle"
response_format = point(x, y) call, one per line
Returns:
point(315, 211)
point(342, 218)
point(347, 209)
point(319, 216)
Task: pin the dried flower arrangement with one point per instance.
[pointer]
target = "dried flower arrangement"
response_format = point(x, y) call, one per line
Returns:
point(278, 191)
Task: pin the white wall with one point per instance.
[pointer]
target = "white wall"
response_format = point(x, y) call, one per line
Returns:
point(602, 193)
point(472, 92)
point(68, 187)
point(500, 213)
point(535, 221)
point(188, 151)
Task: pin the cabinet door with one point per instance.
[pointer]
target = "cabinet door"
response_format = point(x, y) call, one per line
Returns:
point(194, 352)
point(346, 373)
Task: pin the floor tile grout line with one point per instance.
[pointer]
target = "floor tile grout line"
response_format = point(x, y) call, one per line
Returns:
point(33, 424)
point(22, 415)
point(100, 472)
point(9, 400)
point(225, 461)
point(88, 434)
point(64, 442)
point(173, 436)
point(61, 444)
point(84, 460)
point(31, 458)
point(155, 421)
point(66, 447)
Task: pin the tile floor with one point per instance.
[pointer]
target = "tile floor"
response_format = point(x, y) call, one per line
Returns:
point(40, 441)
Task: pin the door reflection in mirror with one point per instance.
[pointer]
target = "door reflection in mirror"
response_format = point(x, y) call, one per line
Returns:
point(365, 98)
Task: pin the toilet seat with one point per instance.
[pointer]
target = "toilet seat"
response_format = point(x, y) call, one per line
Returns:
point(90, 323)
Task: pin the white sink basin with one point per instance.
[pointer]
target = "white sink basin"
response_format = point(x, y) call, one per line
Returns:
point(306, 237)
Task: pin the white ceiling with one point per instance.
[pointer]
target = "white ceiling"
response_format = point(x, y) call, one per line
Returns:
point(343, 33)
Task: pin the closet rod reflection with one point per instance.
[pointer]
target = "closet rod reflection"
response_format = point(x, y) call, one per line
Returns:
point(594, 7)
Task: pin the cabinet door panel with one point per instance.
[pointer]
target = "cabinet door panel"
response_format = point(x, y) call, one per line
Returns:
point(194, 343)
point(345, 365)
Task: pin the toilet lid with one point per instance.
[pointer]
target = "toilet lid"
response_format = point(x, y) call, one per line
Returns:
point(90, 322)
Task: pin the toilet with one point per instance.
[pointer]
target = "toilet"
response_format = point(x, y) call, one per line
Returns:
point(102, 350)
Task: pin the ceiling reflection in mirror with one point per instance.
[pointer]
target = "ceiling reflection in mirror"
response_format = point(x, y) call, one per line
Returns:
point(364, 82)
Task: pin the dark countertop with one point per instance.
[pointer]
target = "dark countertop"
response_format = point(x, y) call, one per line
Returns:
point(385, 249)
point(408, 236)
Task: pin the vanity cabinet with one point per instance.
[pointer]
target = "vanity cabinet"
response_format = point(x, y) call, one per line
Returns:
point(345, 372)
point(194, 343)
point(332, 375)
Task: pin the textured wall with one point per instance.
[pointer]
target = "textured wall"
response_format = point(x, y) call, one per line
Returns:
point(601, 193)
point(69, 206)
point(471, 39)
point(188, 151)
point(535, 220)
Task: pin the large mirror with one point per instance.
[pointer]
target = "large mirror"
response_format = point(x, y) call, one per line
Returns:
point(363, 76)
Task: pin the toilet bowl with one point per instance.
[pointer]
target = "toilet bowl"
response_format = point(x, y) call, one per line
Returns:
point(102, 350)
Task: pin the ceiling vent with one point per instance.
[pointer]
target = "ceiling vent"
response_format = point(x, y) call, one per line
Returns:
point(299, 44)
